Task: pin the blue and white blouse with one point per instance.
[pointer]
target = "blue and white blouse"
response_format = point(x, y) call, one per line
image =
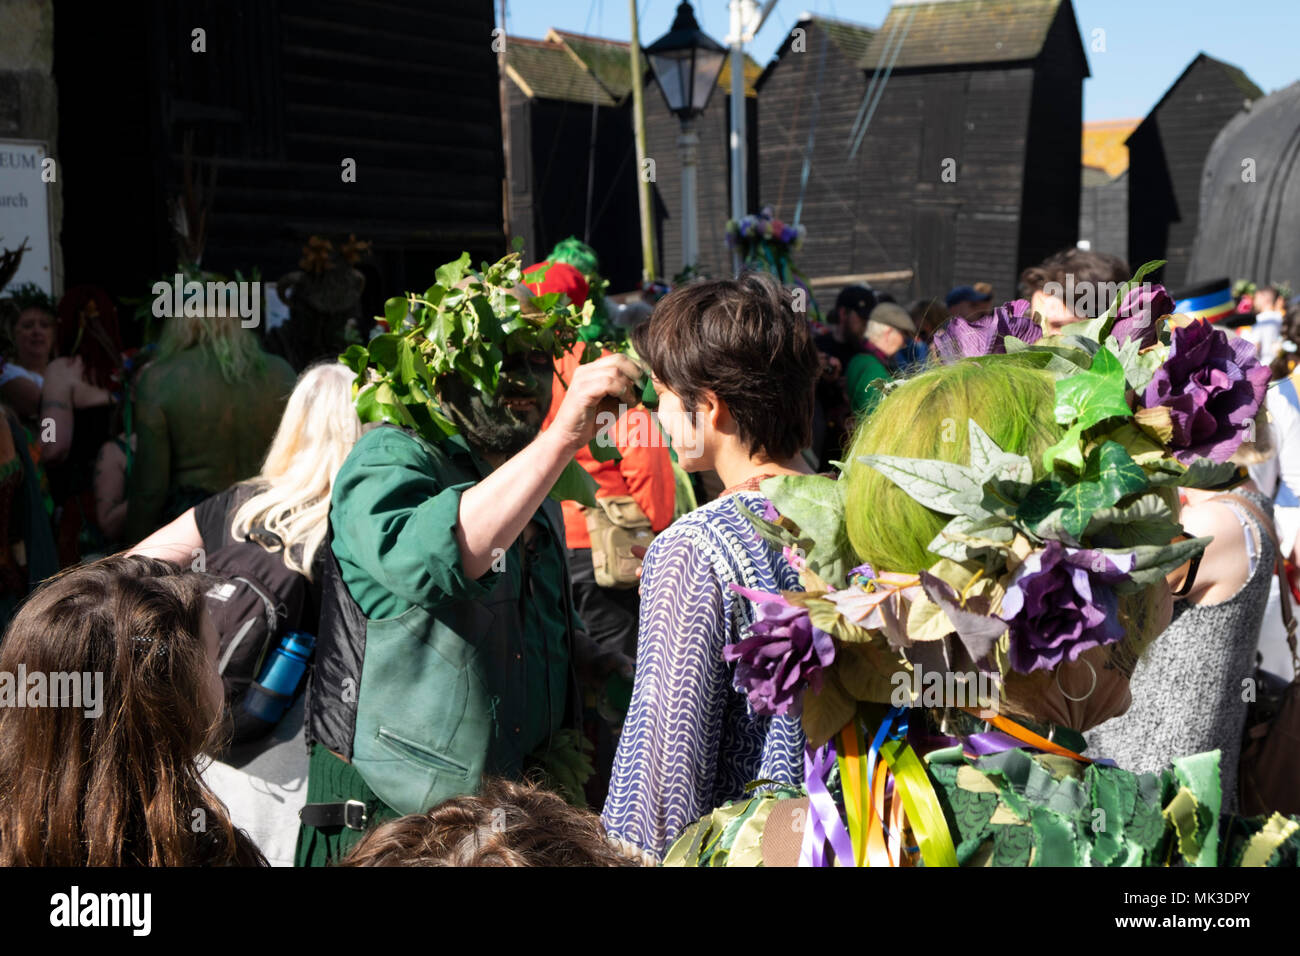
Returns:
point(690, 742)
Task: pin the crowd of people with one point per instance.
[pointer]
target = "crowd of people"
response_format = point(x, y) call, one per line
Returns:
point(491, 676)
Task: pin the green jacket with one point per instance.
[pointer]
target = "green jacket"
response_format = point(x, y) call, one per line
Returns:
point(425, 678)
point(864, 369)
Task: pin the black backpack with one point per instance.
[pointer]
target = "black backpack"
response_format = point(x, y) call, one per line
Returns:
point(255, 600)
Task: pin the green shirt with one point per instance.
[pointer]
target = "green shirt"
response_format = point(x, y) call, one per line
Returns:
point(394, 512)
point(199, 433)
point(864, 368)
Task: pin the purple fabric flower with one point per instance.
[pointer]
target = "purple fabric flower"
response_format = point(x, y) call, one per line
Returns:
point(1061, 602)
point(1137, 314)
point(1213, 386)
point(782, 655)
point(968, 338)
point(769, 512)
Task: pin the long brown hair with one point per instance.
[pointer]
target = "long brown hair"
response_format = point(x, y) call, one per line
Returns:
point(120, 788)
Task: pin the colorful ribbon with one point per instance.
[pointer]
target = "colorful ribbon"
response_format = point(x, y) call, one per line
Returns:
point(824, 823)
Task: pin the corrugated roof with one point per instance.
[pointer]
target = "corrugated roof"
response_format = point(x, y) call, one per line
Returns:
point(1104, 144)
point(546, 70)
point(952, 32)
point(611, 62)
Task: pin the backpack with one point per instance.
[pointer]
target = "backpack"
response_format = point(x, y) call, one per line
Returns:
point(255, 600)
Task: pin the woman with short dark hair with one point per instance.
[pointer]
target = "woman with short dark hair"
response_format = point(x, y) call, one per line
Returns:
point(734, 367)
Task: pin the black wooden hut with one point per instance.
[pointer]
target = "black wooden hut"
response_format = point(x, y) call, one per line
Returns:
point(967, 167)
point(281, 94)
point(1249, 222)
point(1166, 158)
point(572, 155)
point(808, 95)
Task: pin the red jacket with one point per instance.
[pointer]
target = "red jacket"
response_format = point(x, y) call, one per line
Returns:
point(645, 470)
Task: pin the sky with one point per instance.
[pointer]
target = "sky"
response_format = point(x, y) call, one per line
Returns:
point(1147, 43)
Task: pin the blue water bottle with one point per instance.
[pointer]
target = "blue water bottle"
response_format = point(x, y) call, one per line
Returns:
point(273, 692)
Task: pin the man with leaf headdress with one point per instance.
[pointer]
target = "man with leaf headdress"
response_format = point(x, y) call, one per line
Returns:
point(448, 631)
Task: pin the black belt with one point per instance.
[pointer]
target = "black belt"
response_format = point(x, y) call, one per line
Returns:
point(350, 814)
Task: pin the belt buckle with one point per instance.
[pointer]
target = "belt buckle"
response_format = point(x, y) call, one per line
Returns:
point(354, 809)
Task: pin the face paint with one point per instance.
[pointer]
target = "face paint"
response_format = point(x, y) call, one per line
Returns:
point(503, 424)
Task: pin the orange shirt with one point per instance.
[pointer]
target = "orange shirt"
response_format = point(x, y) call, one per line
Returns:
point(645, 470)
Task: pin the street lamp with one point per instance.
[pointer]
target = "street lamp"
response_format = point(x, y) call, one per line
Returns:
point(686, 63)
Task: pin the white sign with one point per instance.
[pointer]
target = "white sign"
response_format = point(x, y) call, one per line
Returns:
point(25, 210)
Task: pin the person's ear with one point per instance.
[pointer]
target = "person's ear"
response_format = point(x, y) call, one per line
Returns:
point(713, 410)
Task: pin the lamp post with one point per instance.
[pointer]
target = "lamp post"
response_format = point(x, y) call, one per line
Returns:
point(686, 63)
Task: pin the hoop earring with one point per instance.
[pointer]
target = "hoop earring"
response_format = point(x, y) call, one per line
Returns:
point(1090, 689)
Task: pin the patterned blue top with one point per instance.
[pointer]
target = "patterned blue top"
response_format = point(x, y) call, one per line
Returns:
point(690, 742)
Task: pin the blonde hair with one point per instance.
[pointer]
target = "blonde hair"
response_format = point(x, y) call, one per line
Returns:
point(238, 353)
point(318, 429)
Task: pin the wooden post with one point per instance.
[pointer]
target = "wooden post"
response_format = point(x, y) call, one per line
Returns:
point(649, 270)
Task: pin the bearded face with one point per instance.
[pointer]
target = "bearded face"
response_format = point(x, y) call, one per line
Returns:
point(502, 425)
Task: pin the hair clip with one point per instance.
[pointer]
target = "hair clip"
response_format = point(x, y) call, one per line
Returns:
point(144, 640)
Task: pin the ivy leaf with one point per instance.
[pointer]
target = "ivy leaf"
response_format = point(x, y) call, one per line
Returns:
point(1147, 521)
point(451, 273)
point(934, 484)
point(356, 358)
point(1151, 563)
point(395, 311)
point(575, 484)
point(383, 351)
point(1202, 473)
point(1068, 451)
point(816, 504)
point(1109, 474)
point(1095, 395)
point(604, 450)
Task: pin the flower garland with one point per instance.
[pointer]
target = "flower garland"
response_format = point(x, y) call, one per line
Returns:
point(1029, 572)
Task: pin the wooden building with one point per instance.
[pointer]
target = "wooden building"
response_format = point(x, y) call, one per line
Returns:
point(1167, 156)
point(275, 96)
point(808, 96)
point(1103, 203)
point(1249, 214)
point(968, 169)
point(580, 77)
point(572, 157)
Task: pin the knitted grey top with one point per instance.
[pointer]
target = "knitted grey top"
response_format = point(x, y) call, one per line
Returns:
point(1187, 688)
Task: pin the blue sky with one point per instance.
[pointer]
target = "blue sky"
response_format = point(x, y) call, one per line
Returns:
point(1148, 43)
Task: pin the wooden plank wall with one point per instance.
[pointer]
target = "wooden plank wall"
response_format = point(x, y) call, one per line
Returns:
point(889, 209)
point(289, 88)
point(1049, 219)
point(1166, 158)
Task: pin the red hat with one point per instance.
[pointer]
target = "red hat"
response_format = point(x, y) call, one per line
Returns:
point(558, 277)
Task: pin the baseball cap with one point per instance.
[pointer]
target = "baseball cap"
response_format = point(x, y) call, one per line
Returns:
point(856, 298)
point(965, 293)
point(895, 316)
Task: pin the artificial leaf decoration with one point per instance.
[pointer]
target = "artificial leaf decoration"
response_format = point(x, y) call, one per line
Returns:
point(816, 504)
point(826, 712)
point(1151, 563)
point(1095, 395)
point(1147, 521)
point(935, 484)
point(1109, 474)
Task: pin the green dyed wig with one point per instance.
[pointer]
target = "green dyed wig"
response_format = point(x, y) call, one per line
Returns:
point(926, 417)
